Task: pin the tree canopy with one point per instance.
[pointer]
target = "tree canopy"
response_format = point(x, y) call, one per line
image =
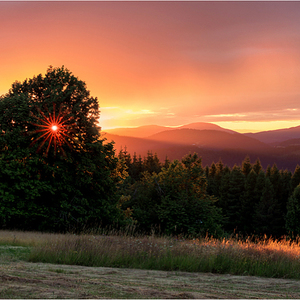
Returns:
point(54, 177)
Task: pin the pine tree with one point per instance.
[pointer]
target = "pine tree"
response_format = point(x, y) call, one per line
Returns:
point(166, 163)
point(211, 187)
point(232, 188)
point(218, 177)
point(152, 163)
point(293, 213)
point(279, 194)
point(249, 201)
point(267, 212)
point(268, 171)
point(295, 180)
point(246, 166)
point(257, 167)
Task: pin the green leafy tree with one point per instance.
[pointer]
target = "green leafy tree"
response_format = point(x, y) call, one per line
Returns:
point(60, 183)
point(175, 200)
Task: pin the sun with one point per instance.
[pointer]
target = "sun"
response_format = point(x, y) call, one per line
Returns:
point(55, 130)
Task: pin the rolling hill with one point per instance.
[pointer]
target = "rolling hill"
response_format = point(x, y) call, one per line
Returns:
point(276, 136)
point(212, 145)
point(149, 130)
point(210, 139)
point(138, 132)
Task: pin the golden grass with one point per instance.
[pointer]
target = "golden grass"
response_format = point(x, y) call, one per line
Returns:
point(255, 247)
point(251, 256)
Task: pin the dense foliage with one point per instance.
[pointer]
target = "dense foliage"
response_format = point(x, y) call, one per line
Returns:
point(175, 200)
point(252, 200)
point(42, 189)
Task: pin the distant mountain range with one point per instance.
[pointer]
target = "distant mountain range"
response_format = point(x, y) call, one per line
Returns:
point(275, 137)
point(148, 130)
point(211, 142)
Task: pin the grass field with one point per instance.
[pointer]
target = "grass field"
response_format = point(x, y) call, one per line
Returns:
point(266, 257)
point(32, 259)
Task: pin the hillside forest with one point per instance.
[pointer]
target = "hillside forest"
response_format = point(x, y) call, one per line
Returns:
point(58, 173)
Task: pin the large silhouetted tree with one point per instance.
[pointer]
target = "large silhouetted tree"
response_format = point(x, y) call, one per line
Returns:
point(56, 179)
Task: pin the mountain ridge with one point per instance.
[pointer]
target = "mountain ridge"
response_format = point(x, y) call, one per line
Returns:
point(212, 145)
point(148, 130)
point(277, 135)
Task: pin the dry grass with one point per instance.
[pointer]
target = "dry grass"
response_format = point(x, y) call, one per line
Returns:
point(265, 257)
point(267, 249)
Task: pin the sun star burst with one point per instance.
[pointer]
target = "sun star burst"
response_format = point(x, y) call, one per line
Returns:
point(55, 130)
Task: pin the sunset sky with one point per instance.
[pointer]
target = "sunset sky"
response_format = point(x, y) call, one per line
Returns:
point(235, 64)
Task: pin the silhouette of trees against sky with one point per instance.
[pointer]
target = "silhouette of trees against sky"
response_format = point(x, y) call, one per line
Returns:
point(54, 177)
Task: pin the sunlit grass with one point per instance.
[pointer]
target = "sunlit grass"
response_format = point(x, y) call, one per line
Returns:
point(259, 257)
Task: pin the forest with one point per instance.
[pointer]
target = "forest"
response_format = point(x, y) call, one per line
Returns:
point(244, 199)
point(58, 174)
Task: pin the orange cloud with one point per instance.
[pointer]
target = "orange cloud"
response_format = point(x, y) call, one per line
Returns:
point(165, 63)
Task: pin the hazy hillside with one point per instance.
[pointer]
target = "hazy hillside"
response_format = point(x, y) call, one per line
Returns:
point(205, 126)
point(149, 130)
point(139, 132)
point(276, 136)
point(209, 139)
point(211, 145)
point(134, 144)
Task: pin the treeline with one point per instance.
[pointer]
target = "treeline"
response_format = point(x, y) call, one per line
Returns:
point(182, 196)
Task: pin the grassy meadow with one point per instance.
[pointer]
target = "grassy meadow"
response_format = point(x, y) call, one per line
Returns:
point(258, 257)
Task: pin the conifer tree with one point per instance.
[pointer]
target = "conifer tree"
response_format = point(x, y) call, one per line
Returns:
point(166, 163)
point(260, 185)
point(293, 213)
point(257, 167)
point(235, 192)
point(279, 193)
point(267, 212)
point(152, 163)
point(295, 180)
point(249, 201)
point(246, 166)
point(268, 171)
point(231, 190)
point(218, 177)
point(211, 184)
point(133, 170)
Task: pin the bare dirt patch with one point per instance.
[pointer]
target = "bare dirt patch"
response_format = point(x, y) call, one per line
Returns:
point(37, 280)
